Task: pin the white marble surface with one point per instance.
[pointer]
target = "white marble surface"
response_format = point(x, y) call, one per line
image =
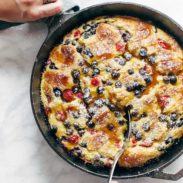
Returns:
point(25, 157)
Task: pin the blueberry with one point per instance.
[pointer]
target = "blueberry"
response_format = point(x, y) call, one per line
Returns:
point(130, 71)
point(111, 106)
point(91, 111)
point(126, 36)
point(173, 79)
point(53, 130)
point(76, 152)
point(137, 93)
point(138, 136)
point(166, 79)
point(85, 70)
point(57, 92)
point(93, 31)
point(129, 87)
point(86, 93)
point(161, 148)
point(180, 122)
point(118, 84)
point(117, 114)
point(100, 90)
point(146, 126)
point(109, 82)
point(76, 126)
point(86, 26)
point(173, 117)
point(134, 113)
point(87, 35)
point(90, 124)
point(162, 118)
point(128, 56)
point(83, 144)
point(79, 49)
point(120, 60)
point(121, 122)
point(67, 41)
point(94, 64)
point(74, 42)
point(115, 74)
point(99, 103)
point(96, 71)
point(87, 52)
point(76, 75)
point(110, 126)
point(76, 114)
point(143, 52)
point(136, 85)
point(81, 62)
point(69, 131)
point(142, 72)
point(134, 130)
point(67, 124)
point(143, 115)
point(147, 79)
point(169, 140)
point(171, 124)
point(152, 59)
point(52, 66)
point(75, 89)
point(81, 132)
point(108, 69)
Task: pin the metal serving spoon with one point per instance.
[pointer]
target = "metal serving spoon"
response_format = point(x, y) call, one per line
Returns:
point(121, 151)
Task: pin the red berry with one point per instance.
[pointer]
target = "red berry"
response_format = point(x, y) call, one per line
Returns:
point(146, 143)
point(120, 47)
point(73, 139)
point(77, 33)
point(164, 44)
point(134, 141)
point(68, 95)
point(95, 81)
point(47, 110)
point(164, 100)
point(79, 95)
point(48, 62)
point(61, 116)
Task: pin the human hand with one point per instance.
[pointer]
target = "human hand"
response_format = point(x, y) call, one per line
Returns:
point(28, 10)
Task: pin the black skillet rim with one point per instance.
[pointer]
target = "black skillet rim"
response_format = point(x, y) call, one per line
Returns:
point(52, 145)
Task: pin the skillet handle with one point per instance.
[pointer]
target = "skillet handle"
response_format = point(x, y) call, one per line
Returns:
point(55, 21)
point(159, 174)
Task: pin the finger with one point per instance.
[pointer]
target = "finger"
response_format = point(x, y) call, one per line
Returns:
point(48, 1)
point(46, 10)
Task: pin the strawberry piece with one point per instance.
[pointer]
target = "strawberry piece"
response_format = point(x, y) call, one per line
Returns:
point(146, 143)
point(79, 95)
point(120, 47)
point(47, 110)
point(95, 81)
point(73, 139)
point(61, 115)
point(164, 100)
point(134, 141)
point(68, 95)
point(77, 33)
point(164, 44)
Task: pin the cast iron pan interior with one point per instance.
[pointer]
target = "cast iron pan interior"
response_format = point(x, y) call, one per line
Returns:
point(158, 19)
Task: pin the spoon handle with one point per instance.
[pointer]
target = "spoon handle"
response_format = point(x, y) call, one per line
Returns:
point(120, 153)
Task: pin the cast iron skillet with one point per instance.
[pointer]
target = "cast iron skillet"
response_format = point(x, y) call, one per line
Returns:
point(58, 26)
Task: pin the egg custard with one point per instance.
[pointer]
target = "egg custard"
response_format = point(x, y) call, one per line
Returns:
point(96, 72)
